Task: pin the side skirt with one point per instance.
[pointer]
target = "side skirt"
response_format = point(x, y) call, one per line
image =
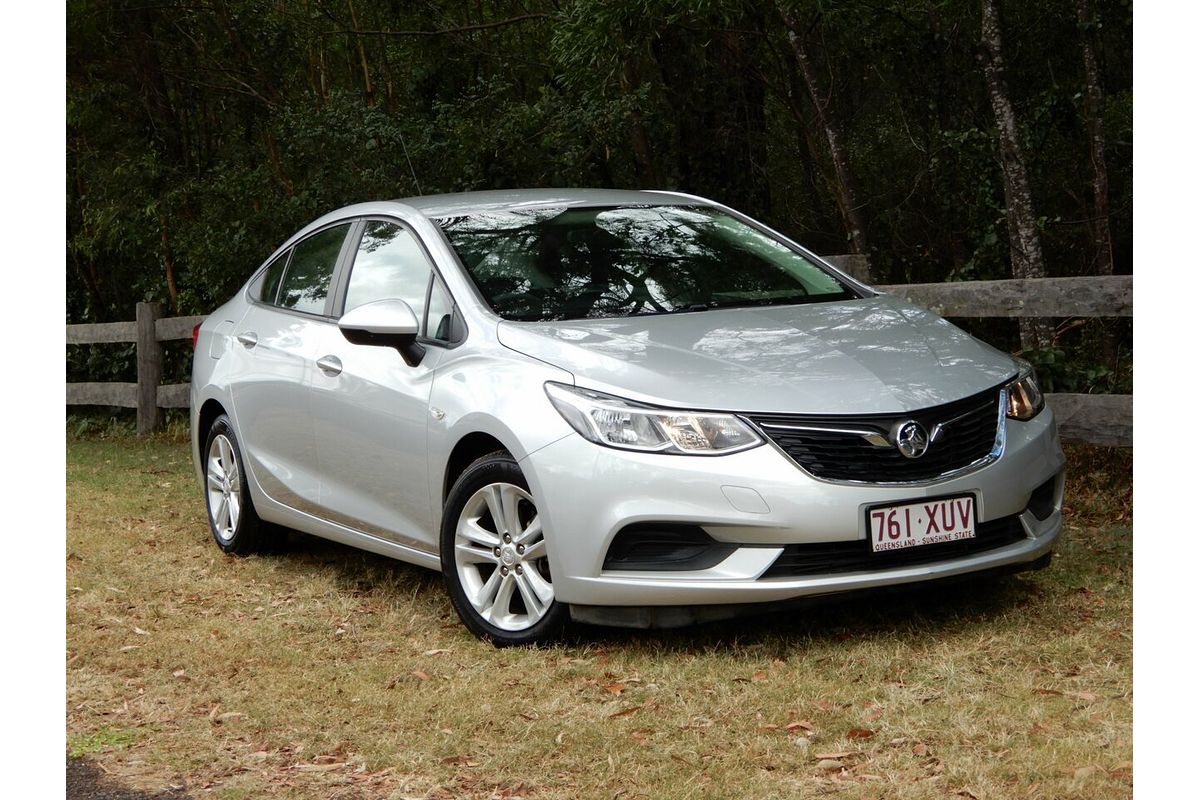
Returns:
point(289, 517)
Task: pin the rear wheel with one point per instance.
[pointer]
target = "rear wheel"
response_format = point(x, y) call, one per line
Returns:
point(234, 524)
point(493, 553)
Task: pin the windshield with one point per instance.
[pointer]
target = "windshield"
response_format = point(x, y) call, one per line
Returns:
point(555, 263)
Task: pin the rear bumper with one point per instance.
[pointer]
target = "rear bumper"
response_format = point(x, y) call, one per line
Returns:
point(759, 499)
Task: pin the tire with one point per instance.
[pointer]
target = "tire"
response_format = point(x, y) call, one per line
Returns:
point(232, 520)
point(497, 574)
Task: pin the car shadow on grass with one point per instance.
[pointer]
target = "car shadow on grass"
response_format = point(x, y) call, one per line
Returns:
point(912, 612)
point(904, 614)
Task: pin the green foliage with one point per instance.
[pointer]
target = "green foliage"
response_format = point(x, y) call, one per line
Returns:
point(1078, 368)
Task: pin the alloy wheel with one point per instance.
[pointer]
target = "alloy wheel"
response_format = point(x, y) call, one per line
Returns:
point(500, 557)
point(224, 488)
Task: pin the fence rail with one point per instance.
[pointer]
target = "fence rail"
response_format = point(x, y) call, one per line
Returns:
point(1089, 418)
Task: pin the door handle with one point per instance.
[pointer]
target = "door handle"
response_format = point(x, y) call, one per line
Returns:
point(248, 339)
point(330, 365)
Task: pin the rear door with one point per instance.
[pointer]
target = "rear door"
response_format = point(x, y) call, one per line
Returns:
point(370, 410)
point(274, 350)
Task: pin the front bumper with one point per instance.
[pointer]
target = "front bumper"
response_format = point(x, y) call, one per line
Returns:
point(760, 500)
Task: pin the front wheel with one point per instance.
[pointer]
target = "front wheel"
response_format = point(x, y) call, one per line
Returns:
point(493, 553)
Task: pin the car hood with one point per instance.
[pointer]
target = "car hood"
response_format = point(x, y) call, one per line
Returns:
point(867, 356)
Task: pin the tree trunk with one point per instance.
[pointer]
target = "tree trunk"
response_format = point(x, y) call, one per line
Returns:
point(1093, 112)
point(1024, 242)
point(362, 55)
point(647, 174)
point(168, 264)
point(846, 195)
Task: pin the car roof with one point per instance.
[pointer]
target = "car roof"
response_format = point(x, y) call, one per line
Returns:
point(445, 205)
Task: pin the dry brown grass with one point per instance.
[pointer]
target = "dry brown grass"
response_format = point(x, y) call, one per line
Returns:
point(321, 671)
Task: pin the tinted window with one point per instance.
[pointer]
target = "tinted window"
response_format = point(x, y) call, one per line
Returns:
point(306, 284)
point(439, 324)
point(269, 287)
point(568, 263)
point(390, 264)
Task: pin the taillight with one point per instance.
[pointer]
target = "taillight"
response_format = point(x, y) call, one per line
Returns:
point(195, 335)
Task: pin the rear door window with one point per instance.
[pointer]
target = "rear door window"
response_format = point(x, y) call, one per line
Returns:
point(306, 284)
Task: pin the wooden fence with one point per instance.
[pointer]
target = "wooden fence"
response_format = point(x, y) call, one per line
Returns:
point(148, 395)
point(1089, 418)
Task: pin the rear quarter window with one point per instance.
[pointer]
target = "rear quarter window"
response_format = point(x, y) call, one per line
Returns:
point(268, 284)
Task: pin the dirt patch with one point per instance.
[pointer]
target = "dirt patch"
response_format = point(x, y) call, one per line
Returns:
point(86, 781)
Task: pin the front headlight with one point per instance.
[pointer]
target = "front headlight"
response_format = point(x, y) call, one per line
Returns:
point(1025, 400)
point(614, 422)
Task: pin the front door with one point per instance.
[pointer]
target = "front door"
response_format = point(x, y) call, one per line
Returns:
point(370, 410)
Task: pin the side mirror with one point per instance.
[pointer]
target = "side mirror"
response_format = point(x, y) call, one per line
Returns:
point(384, 323)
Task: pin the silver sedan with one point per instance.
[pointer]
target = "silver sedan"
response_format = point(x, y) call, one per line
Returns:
point(627, 408)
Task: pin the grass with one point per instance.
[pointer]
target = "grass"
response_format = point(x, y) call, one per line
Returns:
point(321, 671)
point(82, 744)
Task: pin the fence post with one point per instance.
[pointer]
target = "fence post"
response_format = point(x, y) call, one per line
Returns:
point(149, 368)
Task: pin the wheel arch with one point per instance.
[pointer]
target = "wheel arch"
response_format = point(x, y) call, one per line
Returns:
point(466, 450)
point(209, 411)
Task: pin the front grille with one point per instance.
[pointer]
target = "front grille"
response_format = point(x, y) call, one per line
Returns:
point(824, 558)
point(829, 447)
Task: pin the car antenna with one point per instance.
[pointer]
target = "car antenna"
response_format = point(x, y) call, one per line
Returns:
point(409, 160)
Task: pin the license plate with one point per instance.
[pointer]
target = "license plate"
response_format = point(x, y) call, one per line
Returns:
point(926, 522)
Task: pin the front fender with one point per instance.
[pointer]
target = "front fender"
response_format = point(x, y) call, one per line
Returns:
point(500, 393)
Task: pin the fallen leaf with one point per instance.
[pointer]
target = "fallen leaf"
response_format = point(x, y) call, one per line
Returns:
point(873, 713)
point(964, 792)
point(318, 767)
point(800, 723)
point(1086, 697)
point(829, 764)
point(615, 688)
point(125, 649)
point(1048, 691)
point(462, 761)
point(436, 651)
point(420, 675)
point(825, 705)
point(759, 676)
point(181, 675)
point(834, 756)
point(625, 712)
point(140, 632)
point(920, 749)
point(860, 733)
point(228, 715)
